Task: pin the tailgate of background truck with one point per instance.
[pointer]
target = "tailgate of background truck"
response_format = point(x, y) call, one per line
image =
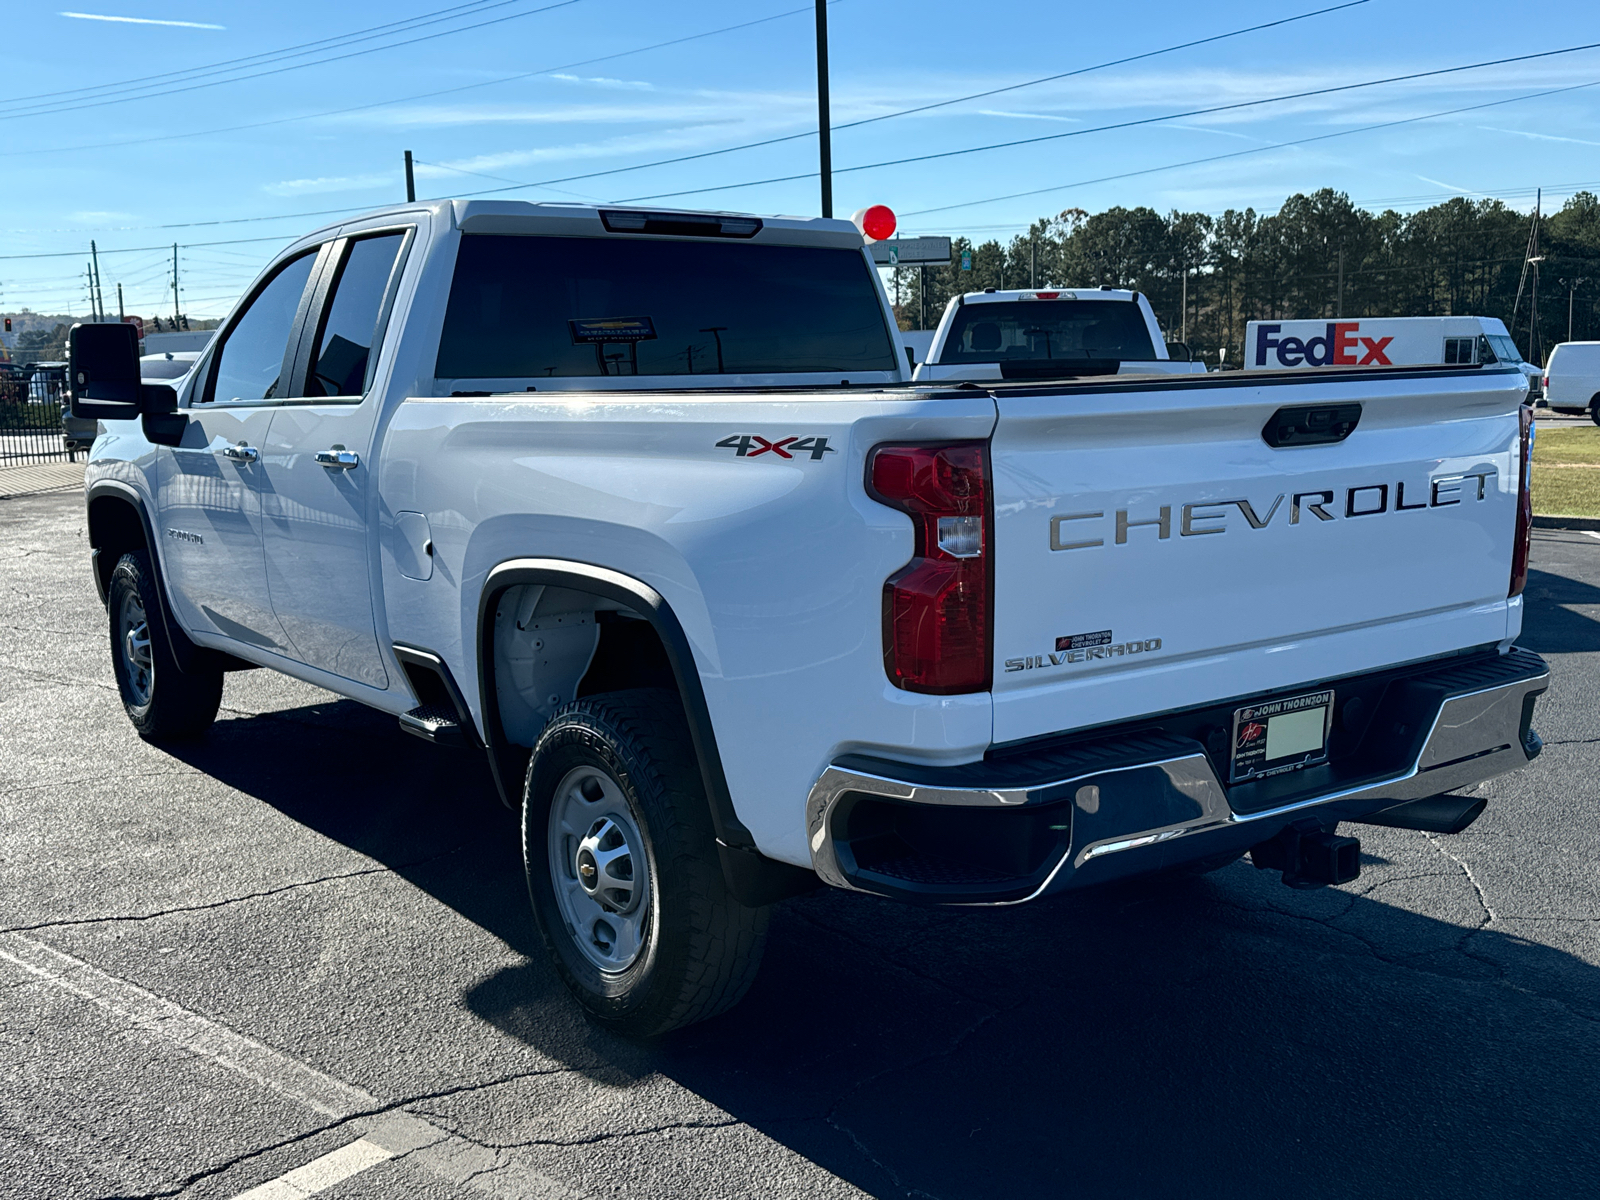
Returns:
point(1154, 552)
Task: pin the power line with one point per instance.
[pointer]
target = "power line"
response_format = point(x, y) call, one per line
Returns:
point(1193, 162)
point(287, 51)
point(1071, 133)
point(339, 112)
point(40, 111)
point(810, 133)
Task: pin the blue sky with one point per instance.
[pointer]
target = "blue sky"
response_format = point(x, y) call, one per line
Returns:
point(144, 171)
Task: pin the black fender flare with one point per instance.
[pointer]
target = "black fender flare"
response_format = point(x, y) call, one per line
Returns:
point(185, 653)
point(752, 877)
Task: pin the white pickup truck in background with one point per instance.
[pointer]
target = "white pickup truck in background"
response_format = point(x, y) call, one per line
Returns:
point(1045, 334)
point(1385, 342)
point(643, 506)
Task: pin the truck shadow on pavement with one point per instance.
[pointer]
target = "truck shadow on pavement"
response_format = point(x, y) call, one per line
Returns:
point(1215, 1036)
point(1559, 630)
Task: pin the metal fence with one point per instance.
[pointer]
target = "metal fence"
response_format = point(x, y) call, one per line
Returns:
point(31, 400)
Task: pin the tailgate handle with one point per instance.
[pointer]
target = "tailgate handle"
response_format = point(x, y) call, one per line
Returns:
point(1311, 425)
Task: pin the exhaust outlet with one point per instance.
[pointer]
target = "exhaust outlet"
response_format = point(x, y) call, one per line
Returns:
point(1309, 856)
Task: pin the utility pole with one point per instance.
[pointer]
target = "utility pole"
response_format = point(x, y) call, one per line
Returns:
point(121, 316)
point(1338, 308)
point(1183, 321)
point(922, 295)
point(1033, 262)
point(824, 122)
point(88, 275)
point(717, 331)
point(176, 305)
point(411, 182)
point(1527, 259)
point(99, 296)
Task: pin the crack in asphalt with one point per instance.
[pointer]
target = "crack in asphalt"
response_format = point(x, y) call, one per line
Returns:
point(241, 899)
point(110, 775)
point(590, 1140)
point(337, 1123)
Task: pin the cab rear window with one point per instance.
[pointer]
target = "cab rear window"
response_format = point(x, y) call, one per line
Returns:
point(1048, 329)
point(538, 307)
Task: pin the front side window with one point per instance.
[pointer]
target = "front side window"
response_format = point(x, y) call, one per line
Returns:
point(1505, 349)
point(343, 359)
point(251, 362)
point(563, 307)
point(1009, 331)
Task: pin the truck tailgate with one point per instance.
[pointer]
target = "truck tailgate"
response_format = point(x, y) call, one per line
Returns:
point(1153, 552)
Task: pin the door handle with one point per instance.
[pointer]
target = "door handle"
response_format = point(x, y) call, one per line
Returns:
point(241, 453)
point(339, 458)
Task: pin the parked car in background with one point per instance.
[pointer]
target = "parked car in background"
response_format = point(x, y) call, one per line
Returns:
point(1572, 378)
point(1384, 342)
point(167, 366)
point(1066, 333)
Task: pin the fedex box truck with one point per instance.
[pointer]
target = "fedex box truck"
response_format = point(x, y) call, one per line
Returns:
point(1383, 342)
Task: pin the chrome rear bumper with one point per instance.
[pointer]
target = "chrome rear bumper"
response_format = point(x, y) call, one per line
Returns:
point(1122, 805)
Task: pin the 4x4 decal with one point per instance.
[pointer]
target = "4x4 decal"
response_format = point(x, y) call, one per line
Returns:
point(750, 445)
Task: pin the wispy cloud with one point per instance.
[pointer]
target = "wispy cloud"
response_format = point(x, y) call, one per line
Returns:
point(632, 85)
point(1026, 116)
point(327, 183)
point(78, 16)
point(1539, 137)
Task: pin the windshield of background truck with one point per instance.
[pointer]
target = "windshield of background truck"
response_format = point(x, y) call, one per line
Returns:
point(1504, 348)
point(1048, 329)
point(535, 307)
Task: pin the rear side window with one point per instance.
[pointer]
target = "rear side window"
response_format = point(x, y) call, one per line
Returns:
point(342, 363)
point(534, 307)
point(1458, 350)
point(1048, 329)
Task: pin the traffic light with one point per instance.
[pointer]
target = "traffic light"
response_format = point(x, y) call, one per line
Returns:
point(8, 324)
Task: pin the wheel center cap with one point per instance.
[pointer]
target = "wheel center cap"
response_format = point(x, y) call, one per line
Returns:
point(588, 872)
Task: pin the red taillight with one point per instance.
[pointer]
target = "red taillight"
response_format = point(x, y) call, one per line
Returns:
point(1524, 538)
point(936, 608)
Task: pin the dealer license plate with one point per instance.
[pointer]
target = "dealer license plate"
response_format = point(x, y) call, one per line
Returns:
point(1281, 735)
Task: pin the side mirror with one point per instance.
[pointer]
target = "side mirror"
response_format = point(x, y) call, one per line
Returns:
point(103, 371)
point(1173, 349)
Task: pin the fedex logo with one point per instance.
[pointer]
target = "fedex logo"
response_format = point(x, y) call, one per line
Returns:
point(1341, 346)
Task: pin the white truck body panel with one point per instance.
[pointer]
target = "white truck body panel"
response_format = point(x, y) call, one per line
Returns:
point(1266, 608)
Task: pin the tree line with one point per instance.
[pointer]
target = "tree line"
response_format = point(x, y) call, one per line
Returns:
point(1317, 256)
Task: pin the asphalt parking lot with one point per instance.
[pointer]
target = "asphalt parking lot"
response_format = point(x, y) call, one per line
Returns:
point(302, 944)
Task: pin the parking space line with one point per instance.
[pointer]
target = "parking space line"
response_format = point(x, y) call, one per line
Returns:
point(390, 1132)
point(1592, 533)
point(320, 1173)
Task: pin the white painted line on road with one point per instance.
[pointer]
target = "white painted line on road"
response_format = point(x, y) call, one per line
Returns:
point(199, 1035)
point(391, 1134)
point(320, 1174)
point(1592, 533)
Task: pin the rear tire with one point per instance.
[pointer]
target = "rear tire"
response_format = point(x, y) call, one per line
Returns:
point(623, 872)
point(161, 700)
point(1594, 410)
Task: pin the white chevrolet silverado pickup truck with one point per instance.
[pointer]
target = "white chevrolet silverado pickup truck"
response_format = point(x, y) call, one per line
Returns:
point(1050, 333)
point(643, 506)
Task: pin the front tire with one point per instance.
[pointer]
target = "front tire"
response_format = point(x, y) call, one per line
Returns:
point(161, 700)
point(623, 872)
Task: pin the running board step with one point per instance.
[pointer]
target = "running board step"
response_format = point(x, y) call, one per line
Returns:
point(436, 723)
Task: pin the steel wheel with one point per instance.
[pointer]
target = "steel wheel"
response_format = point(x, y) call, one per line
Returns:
point(133, 641)
point(599, 869)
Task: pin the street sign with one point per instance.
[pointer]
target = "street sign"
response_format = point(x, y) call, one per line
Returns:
point(966, 260)
point(912, 252)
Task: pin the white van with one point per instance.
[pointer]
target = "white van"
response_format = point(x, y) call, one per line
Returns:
point(1572, 378)
point(1383, 342)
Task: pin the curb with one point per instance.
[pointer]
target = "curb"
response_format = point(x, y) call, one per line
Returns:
point(1589, 523)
